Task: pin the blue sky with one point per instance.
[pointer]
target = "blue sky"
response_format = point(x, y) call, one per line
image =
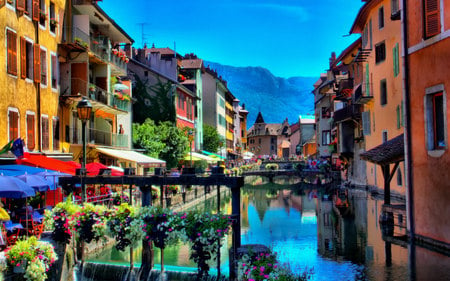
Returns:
point(288, 37)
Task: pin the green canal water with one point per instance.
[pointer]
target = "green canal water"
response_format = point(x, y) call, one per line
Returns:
point(308, 231)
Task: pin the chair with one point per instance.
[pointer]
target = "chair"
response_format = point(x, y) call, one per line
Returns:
point(12, 238)
point(37, 230)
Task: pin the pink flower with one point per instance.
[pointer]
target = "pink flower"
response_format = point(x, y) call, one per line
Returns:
point(199, 234)
point(243, 264)
point(266, 276)
point(262, 268)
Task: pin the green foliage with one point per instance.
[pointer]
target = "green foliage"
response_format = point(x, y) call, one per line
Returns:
point(164, 141)
point(153, 101)
point(212, 141)
point(200, 166)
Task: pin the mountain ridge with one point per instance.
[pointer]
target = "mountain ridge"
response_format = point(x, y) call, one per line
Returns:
point(276, 98)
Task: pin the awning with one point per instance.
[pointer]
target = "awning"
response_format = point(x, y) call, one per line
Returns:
point(387, 153)
point(199, 156)
point(42, 161)
point(213, 154)
point(133, 156)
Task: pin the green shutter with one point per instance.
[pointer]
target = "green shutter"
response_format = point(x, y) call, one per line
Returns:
point(367, 80)
point(396, 60)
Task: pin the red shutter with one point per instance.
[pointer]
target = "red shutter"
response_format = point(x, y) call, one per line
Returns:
point(30, 132)
point(20, 5)
point(13, 125)
point(432, 18)
point(35, 10)
point(2, 3)
point(12, 52)
point(37, 63)
point(23, 57)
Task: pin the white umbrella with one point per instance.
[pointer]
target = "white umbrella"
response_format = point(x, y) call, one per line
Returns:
point(120, 87)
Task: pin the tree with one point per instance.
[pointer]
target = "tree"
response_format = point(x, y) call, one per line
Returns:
point(164, 141)
point(212, 141)
point(153, 101)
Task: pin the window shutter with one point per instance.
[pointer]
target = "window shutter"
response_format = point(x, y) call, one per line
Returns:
point(13, 125)
point(367, 80)
point(37, 63)
point(12, 52)
point(396, 60)
point(366, 122)
point(2, 3)
point(36, 10)
point(20, 5)
point(30, 132)
point(432, 18)
point(23, 57)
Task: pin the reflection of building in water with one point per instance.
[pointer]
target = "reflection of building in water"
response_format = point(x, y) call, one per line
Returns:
point(325, 227)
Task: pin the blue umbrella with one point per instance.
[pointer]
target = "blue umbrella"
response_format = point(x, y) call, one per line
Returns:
point(37, 182)
point(12, 187)
point(22, 168)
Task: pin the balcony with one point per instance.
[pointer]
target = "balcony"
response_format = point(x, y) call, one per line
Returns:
point(100, 137)
point(345, 89)
point(361, 96)
point(99, 47)
point(348, 113)
point(119, 62)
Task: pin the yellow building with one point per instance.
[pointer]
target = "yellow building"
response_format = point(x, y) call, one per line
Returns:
point(31, 31)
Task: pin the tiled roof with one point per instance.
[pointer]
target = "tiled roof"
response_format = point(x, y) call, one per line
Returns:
point(192, 63)
point(162, 51)
point(387, 153)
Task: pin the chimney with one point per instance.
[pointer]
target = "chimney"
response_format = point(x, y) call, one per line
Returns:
point(332, 58)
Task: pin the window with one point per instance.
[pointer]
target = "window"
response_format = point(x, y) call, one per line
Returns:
point(385, 136)
point(20, 5)
point(325, 113)
point(11, 67)
point(431, 18)
point(42, 13)
point(380, 52)
point(30, 131)
point(35, 10)
point(28, 7)
point(13, 122)
point(52, 17)
point(435, 120)
point(383, 92)
point(381, 17)
point(259, 141)
point(222, 103)
point(55, 123)
point(26, 58)
point(396, 60)
point(54, 69)
point(45, 132)
point(326, 137)
point(43, 55)
point(395, 8)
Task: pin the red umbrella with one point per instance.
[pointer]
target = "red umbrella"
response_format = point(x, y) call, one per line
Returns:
point(93, 169)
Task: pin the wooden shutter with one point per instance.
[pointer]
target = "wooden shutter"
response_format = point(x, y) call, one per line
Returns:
point(13, 125)
point(367, 81)
point(37, 63)
point(432, 18)
point(45, 133)
point(23, 57)
point(30, 132)
point(2, 3)
point(20, 5)
point(35, 11)
point(12, 52)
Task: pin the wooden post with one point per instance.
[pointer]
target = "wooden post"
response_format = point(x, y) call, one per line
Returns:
point(387, 184)
point(218, 241)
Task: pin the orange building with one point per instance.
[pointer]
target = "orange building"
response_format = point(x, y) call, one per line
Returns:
point(379, 25)
point(427, 82)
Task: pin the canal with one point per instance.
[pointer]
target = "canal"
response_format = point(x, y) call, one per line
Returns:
point(334, 234)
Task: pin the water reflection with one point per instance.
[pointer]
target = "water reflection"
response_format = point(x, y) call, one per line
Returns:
point(335, 232)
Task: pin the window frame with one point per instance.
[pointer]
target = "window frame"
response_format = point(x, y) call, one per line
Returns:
point(56, 133)
point(381, 17)
point(45, 143)
point(11, 55)
point(326, 137)
point(383, 92)
point(433, 148)
point(380, 52)
point(54, 71)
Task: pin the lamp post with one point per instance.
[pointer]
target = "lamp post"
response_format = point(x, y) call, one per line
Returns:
point(84, 109)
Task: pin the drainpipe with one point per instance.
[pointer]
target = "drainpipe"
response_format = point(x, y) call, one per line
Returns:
point(408, 154)
point(38, 95)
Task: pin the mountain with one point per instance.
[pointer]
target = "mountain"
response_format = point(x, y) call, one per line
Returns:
point(277, 98)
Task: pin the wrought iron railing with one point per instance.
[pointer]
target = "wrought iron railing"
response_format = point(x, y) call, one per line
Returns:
point(349, 112)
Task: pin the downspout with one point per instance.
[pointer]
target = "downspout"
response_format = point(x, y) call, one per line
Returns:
point(38, 95)
point(408, 154)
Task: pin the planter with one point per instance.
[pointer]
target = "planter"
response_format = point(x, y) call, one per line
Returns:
point(21, 268)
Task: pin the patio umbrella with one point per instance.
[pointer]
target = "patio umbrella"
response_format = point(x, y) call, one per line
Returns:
point(37, 182)
point(12, 187)
point(54, 176)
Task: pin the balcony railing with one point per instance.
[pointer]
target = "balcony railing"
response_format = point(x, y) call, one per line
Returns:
point(118, 59)
point(80, 37)
point(345, 89)
point(100, 137)
point(361, 96)
point(349, 112)
point(99, 46)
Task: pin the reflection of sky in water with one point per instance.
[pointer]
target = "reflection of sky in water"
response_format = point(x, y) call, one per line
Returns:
point(295, 242)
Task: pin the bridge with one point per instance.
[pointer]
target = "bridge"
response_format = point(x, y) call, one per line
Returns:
point(334, 176)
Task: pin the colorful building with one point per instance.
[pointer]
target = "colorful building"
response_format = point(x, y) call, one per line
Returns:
point(29, 106)
point(427, 84)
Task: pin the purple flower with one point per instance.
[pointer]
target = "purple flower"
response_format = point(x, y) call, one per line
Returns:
point(262, 268)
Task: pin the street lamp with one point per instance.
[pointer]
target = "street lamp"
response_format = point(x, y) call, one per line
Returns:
point(84, 109)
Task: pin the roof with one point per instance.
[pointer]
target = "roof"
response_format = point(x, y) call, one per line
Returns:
point(259, 118)
point(387, 153)
point(295, 127)
point(192, 63)
point(347, 51)
point(361, 18)
point(162, 51)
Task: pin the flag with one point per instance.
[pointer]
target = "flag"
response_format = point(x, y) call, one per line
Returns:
point(17, 148)
point(7, 147)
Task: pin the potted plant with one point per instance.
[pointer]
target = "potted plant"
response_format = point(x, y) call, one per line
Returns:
point(53, 22)
point(60, 220)
point(124, 225)
point(32, 258)
point(172, 189)
point(89, 222)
